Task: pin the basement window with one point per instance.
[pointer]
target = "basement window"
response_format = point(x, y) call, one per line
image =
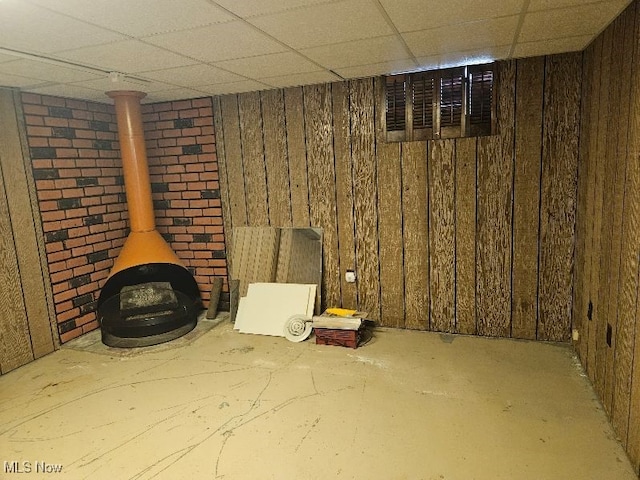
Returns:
point(451, 103)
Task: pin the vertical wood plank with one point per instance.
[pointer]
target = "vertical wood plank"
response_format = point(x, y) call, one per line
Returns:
point(466, 235)
point(627, 371)
point(15, 346)
point(622, 70)
point(495, 203)
point(442, 235)
point(390, 223)
point(626, 403)
point(581, 276)
point(297, 153)
point(415, 234)
point(526, 196)
point(633, 440)
point(344, 189)
point(255, 255)
point(233, 160)
point(365, 195)
point(591, 240)
point(25, 221)
point(628, 283)
point(606, 249)
point(225, 195)
point(322, 178)
point(277, 163)
point(559, 181)
point(598, 355)
point(253, 158)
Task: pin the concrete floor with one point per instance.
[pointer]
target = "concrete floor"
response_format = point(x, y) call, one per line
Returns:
point(219, 404)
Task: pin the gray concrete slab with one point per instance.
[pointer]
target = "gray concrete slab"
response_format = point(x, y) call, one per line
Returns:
point(220, 404)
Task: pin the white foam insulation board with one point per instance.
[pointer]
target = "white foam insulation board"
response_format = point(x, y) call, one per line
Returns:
point(268, 306)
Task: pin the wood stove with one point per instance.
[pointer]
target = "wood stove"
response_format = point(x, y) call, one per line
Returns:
point(149, 297)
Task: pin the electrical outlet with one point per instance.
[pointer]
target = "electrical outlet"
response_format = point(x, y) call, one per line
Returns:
point(350, 276)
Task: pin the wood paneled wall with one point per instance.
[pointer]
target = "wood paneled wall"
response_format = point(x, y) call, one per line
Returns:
point(472, 235)
point(606, 304)
point(26, 305)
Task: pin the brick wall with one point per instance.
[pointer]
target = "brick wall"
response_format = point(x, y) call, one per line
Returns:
point(184, 179)
point(77, 170)
point(79, 183)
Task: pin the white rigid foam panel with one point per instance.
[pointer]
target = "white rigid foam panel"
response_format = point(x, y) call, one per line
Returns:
point(268, 306)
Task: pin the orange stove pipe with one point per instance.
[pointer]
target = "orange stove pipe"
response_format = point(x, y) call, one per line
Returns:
point(144, 244)
point(134, 159)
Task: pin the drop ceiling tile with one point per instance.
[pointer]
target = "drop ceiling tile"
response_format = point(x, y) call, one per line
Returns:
point(326, 24)
point(567, 22)
point(9, 80)
point(469, 57)
point(375, 69)
point(310, 78)
point(7, 58)
point(556, 45)
point(234, 87)
point(462, 37)
point(130, 56)
point(218, 42)
point(284, 63)
point(141, 17)
point(252, 8)
point(30, 28)
point(537, 5)
point(46, 71)
point(105, 84)
point(172, 94)
point(193, 75)
point(412, 15)
point(358, 52)
point(71, 91)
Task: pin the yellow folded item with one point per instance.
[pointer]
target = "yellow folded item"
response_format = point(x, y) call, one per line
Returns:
point(340, 312)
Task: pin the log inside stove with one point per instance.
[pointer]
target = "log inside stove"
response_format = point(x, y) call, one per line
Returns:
point(147, 314)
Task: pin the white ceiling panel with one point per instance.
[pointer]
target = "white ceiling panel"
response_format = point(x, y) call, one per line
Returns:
point(72, 91)
point(193, 75)
point(566, 22)
point(31, 28)
point(358, 52)
point(537, 5)
point(46, 71)
point(412, 15)
point(560, 45)
point(209, 47)
point(285, 63)
point(131, 17)
point(7, 58)
point(301, 79)
point(173, 94)
point(218, 42)
point(9, 80)
point(325, 24)
point(253, 8)
point(105, 84)
point(469, 57)
point(235, 87)
point(374, 69)
point(130, 56)
point(461, 37)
